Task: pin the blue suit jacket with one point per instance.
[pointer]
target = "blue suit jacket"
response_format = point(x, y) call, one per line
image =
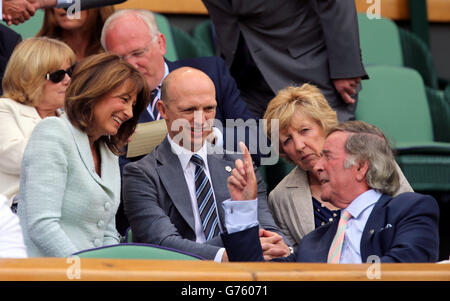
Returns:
point(399, 229)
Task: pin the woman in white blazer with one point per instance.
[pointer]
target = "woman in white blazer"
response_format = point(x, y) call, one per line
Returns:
point(34, 85)
point(304, 120)
point(70, 178)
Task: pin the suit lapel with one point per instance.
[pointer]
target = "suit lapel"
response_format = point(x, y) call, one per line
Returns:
point(376, 221)
point(145, 117)
point(300, 200)
point(172, 177)
point(84, 150)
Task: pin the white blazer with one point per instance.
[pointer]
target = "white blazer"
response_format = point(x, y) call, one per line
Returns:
point(17, 122)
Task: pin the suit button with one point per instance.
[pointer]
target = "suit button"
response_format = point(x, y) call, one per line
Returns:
point(371, 231)
point(97, 243)
point(107, 206)
point(100, 224)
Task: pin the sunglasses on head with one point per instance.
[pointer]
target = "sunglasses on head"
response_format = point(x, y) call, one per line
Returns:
point(59, 75)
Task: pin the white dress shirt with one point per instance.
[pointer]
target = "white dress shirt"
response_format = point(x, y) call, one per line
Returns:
point(188, 167)
point(360, 209)
point(11, 237)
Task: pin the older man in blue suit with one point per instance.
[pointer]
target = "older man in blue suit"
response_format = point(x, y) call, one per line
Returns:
point(358, 175)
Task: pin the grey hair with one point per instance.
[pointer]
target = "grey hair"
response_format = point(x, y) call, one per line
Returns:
point(145, 15)
point(368, 143)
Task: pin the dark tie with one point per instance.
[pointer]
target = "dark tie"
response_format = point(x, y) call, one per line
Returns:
point(155, 99)
point(205, 199)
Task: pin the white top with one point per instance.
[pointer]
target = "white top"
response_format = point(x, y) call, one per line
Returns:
point(11, 237)
point(17, 122)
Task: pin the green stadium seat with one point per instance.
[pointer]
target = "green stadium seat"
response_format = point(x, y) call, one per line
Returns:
point(31, 27)
point(136, 251)
point(184, 44)
point(394, 99)
point(166, 29)
point(203, 32)
point(380, 41)
point(273, 174)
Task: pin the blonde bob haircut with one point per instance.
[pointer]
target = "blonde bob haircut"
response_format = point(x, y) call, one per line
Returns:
point(30, 61)
point(306, 98)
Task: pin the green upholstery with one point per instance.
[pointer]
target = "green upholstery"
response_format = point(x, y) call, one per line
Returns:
point(416, 55)
point(129, 236)
point(135, 251)
point(31, 27)
point(203, 32)
point(380, 41)
point(418, 13)
point(184, 44)
point(439, 103)
point(394, 99)
point(273, 174)
point(166, 29)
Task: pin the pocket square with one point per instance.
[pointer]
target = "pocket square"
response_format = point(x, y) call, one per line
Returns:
point(388, 226)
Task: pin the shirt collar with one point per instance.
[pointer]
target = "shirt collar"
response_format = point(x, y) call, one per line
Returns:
point(362, 202)
point(184, 155)
point(166, 72)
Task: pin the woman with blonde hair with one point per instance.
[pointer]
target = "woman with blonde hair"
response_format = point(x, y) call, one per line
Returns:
point(34, 85)
point(81, 34)
point(304, 118)
point(70, 178)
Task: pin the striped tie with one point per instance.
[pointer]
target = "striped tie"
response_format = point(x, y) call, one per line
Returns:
point(205, 199)
point(334, 254)
point(155, 98)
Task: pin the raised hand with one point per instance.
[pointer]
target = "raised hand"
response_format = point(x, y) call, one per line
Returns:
point(242, 183)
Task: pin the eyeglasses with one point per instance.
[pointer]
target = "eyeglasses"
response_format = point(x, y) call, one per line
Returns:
point(137, 53)
point(59, 75)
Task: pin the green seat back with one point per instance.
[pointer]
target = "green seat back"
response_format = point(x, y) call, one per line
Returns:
point(416, 55)
point(31, 27)
point(202, 32)
point(273, 174)
point(165, 28)
point(135, 251)
point(394, 100)
point(185, 45)
point(380, 41)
